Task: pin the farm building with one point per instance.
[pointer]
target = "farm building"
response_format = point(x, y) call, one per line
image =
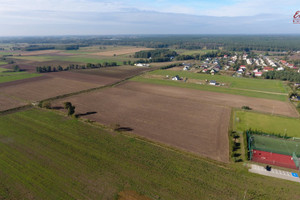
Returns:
point(273, 150)
point(141, 65)
point(185, 68)
point(212, 82)
point(176, 78)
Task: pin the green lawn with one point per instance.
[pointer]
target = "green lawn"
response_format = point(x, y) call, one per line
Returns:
point(13, 76)
point(267, 123)
point(256, 94)
point(47, 156)
point(3, 63)
point(2, 70)
point(6, 53)
point(234, 82)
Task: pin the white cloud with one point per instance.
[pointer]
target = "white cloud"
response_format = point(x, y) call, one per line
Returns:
point(256, 7)
point(61, 5)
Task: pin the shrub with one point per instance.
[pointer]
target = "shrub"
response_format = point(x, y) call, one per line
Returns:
point(246, 108)
point(46, 104)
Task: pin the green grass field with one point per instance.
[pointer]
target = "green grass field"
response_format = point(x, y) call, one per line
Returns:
point(18, 76)
point(47, 156)
point(2, 70)
point(13, 76)
point(3, 63)
point(256, 94)
point(267, 123)
point(234, 82)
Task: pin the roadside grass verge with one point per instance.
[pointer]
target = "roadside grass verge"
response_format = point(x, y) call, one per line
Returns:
point(44, 155)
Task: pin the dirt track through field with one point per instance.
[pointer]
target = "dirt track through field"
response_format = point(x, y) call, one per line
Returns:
point(201, 128)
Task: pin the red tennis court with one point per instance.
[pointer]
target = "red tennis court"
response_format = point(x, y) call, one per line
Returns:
point(273, 159)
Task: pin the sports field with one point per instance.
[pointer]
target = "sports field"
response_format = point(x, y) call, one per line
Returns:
point(47, 156)
point(267, 123)
point(276, 145)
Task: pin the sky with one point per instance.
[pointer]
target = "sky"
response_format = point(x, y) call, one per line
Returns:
point(103, 17)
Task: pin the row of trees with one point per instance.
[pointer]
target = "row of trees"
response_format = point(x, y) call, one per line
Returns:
point(35, 47)
point(157, 53)
point(45, 69)
point(283, 75)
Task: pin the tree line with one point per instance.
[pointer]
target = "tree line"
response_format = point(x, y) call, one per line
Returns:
point(283, 75)
point(46, 69)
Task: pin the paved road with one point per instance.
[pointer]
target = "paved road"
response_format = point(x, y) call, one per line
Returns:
point(275, 173)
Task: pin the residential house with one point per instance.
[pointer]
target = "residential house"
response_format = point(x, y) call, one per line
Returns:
point(258, 74)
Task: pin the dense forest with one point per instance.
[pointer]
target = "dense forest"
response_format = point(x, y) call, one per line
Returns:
point(227, 42)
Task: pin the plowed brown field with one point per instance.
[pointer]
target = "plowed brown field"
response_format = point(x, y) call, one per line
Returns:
point(197, 127)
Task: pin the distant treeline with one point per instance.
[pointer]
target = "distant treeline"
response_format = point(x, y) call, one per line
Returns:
point(227, 42)
point(164, 55)
point(47, 47)
point(157, 55)
point(46, 69)
point(209, 54)
point(283, 75)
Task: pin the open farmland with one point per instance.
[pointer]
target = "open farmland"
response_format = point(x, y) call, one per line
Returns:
point(48, 156)
point(267, 123)
point(84, 55)
point(74, 59)
point(219, 89)
point(116, 72)
point(19, 92)
point(121, 51)
point(8, 77)
point(261, 85)
point(171, 120)
point(7, 103)
point(59, 83)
